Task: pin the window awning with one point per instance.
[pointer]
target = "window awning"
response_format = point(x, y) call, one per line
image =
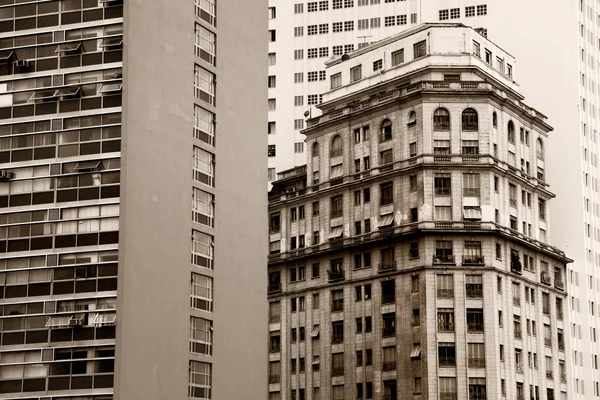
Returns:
point(472, 213)
point(104, 319)
point(316, 360)
point(315, 332)
point(58, 321)
point(87, 166)
point(416, 351)
point(43, 95)
point(111, 42)
point(110, 87)
point(68, 47)
point(336, 232)
point(386, 220)
point(7, 56)
point(68, 91)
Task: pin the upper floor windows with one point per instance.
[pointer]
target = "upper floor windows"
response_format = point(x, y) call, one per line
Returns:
point(204, 44)
point(469, 120)
point(206, 9)
point(315, 149)
point(540, 149)
point(511, 132)
point(495, 119)
point(336, 146)
point(420, 49)
point(336, 80)
point(204, 85)
point(441, 120)
point(386, 130)
point(355, 73)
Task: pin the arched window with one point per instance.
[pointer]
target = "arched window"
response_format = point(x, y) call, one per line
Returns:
point(315, 149)
point(386, 130)
point(511, 132)
point(495, 119)
point(336, 146)
point(412, 118)
point(441, 120)
point(469, 120)
point(540, 149)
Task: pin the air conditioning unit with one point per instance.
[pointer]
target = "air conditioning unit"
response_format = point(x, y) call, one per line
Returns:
point(75, 322)
point(22, 63)
point(5, 175)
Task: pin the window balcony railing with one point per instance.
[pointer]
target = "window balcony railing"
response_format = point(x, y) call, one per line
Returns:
point(446, 326)
point(335, 152)
point(519, 368)
point(518, 334)
point(445, 293)
point(471, 192)
point(443, 259)
point(388, 298)
point(388, 331)
point(548, 342)
point(443, 191)
point(415, 320)
point(476, 362)
point(274, 287)
point(337, 338)
point(274, 378)
point(337, 371)
point(561, 346)
point(337, 305)
point(549, 375)
point(335, 275)
point(474, 291)
point(448, 396)
point(513, 202)
point(473, 260)
point(563, 378)
point(517, 301)
point(274, 348)
point(559, 284)
point(389, 365)
point(545, 278)
point(474, 327)
point(337, 213)
point(274, 318)
point(546, 310)
point(387, 266)
point(478, 395)
point(559, 314)
point(447, 361)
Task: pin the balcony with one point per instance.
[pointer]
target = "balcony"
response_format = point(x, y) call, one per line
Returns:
point(336, 275)
point(470, 192)
point(447, 361)
point(444, 259)
point(476, 362)
point(446, 326)
point(274, 288)
point(389, 365)
point(337, 371)
point(387, 267)
point(274, 378)
point(337, 305)
point(474, 327)
point(445, 293)
point(473, 260)
point(545, 278)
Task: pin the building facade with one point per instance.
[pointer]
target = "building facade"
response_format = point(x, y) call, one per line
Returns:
point(409, 258)
point(115, 221)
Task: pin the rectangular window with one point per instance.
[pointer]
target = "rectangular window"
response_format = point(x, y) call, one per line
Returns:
point(397, 57)
point(201, 292)
point(200, 380)
point(476, 48)
point(419, 49)
point(204, 44)
point(204, 125)
point(442, 185)
point(202, 249)
point(470, 11)
point(203, 207)
point(445, 286)
point(200, 336)
point(204, 85)
point(356, 73)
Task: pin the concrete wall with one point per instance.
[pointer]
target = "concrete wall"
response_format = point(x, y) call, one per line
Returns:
point(240, 343)
point(154, 278)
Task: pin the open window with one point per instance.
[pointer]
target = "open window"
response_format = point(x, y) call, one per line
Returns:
point(111, 87)
point(386, 221)
point(88, 166)
point(66, 49)
point(7, 56)
point(104, 319)
point(336, 233)
point(112, 43)
point(71, 91)
point(43, 95)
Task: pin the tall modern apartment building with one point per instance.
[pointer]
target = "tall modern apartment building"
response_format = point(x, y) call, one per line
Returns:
point(410, 256)
point(117, 274)
point(557, 52)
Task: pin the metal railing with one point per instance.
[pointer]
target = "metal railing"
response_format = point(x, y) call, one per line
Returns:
point(518, 334)
point(444, 259)
point(476, 362)
point(388, 365)
point(388, 298)
point(545, 278)
point(447, 361)
point(274, 348)
point(274, 287)
point(477, 260)
point(474, 292)
point(337, 338)
point(388, 266)
point(335, 275)
point(274, 378)
point(474, 327)
point(337, 371)
point(337, 305)
point(446, 326)
point(445, 293)
point(388, 331)
point(470, 192)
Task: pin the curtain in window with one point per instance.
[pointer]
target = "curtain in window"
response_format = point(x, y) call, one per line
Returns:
point(447, 385)
point(445, 282)
point(443, 213)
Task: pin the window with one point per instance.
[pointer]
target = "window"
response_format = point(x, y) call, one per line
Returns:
point(375, 22)
point(323, 5)
point(386, 130)
point(298, 8)
point(336, 80)
point(470, 11)
point(446, 355)
point(337, 27)
point(336, 206)
point(540, 149)
point(476, 48)
point(470, 147)
point(204, 85)
point(323, 29)
point(445, 318)
point(336, 146)
point(474, 286)
point(201, 292)
point(389, 324)
point(474, 320)
point(441, 120)
point(443, 213)
point(488, 56)
point(272, 104)
point(298, 76)
point(454, 13)
point(298, 31)
point(482, 9)
point(316, 270)
point(397, 57)
point(272, 35)
point(419, 49)
point(377, 65)
point(511, 132)
point(443, 15)
point(389, 21)
point(337, 332)
point(348, 26)
point(200, 380)
point(447, 388)
point(355, 73)
point(471, 184)
point(387, 193)
point(413, 183)
point(445, 286)
point(337, 369)
point(442, 184)
point(476, 357)
point(413, 251)
point(386, 157)
point(477, 388)
point(469, 120)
